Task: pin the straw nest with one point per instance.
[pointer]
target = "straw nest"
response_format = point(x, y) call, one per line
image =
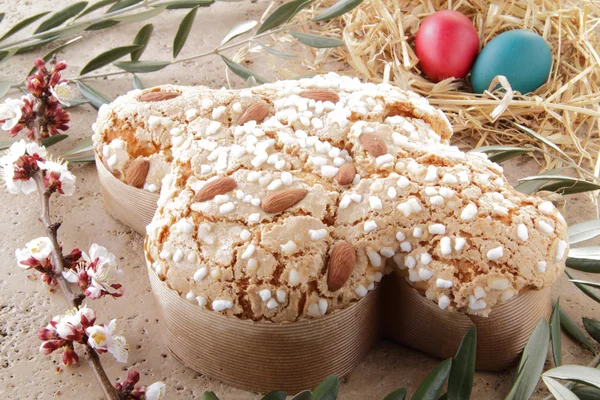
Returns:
point(379, 36)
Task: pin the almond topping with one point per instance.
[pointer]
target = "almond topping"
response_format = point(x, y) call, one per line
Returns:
point(282, 200)
point(341, 264)
point(374, 144)
point(213, 188)
point(321, 95)
point(256, 112)
point(345, 174)
point(136, 172)
point(157, 96)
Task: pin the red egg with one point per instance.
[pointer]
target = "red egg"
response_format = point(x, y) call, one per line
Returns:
point(446, 44)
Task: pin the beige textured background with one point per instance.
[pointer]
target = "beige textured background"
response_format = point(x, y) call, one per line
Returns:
point(26, 305)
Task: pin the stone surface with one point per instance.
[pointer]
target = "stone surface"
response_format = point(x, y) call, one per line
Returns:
point(25, 305)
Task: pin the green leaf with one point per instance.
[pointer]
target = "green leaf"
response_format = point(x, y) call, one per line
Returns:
point(52, 140)
point(532, 186)
point(96, 6)
point(277, 53)
point(592, 253)
point(558, 390)
point(54, 51)
point(23, 24)
point(507, 155)
point(316, 41)
point(184, 31)
point(517, 382)
point(121, 4)
point(238, 29)
point(36, 45)
point(573, 330)
point(174, 5)
point(141, 39)
point(339, 8)
point(1, 16)
point(4, 88)
point(76, 102)
point(587, 283)
point(586, 392)
point(242, 71)
point(84, 146)
point(83, 159)
point(399, 394)
point(462, 372)
point(283, 14)
point(577, 373)
point(107, 57)
point(328, 389)
point(433, 383)
point(539, 137)
point(5, 55)
point(584, 264)
point(107, 23)
point(61, 16)
point(592, 327)
point(305, 395)
point(136, 83)
point(555, 334)
point(584, 231)
point(209, 396)
point(95, 97)
point(566, 188)
point(275, 395)
point(142, 66)
point(535, 353)
point(587, 291)
point(142, 16)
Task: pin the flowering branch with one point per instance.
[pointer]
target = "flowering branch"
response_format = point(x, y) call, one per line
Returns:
point(27, 168)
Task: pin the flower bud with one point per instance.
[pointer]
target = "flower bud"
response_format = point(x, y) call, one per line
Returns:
point(51, 345)
point(59, 66)
point(133, 377)
point(54, 79)
point(39, 63)
point(70, 357)
point(46, 334)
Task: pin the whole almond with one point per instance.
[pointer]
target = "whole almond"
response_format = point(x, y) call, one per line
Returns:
point(218, 186)
point(256, 112)
point(321, 95)
point(345, 174)
point(374, 144)
point(157, 96)
point(341, 264)
point(136, 173)
point(282, 200)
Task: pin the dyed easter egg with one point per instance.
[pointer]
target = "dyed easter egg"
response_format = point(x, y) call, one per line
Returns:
point(522, 56)
point(446, 44)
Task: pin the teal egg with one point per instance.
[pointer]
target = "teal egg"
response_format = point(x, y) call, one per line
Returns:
point(522, 56)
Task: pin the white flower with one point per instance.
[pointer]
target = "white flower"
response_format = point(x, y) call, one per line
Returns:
point(101, 254)
point(104, 273)
point(39, 248)
point(16, 151)
point(156, 391)
point(70, 276)
point(67, 179)
point(11, 112)
point(105, 338)
point(71, 322)
point(63, 93)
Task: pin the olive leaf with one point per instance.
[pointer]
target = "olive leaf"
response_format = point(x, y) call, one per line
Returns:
point(573, 330)
point(54, 51)
point(61, 16)
point(275, 395)
point(282, 15)
point(518, 378)
point(76, 102)
point(121, 4)
point(562, 184)
point(136, 83)
point(84, 146)
point(533, 186)
point(1, 16)
point(587, 291)
point(175, 5)
point(535, 354)
point(339, 8)
point(592, 253)
point(6, 54)
point(584, 264)
point(96, 98)
point(107, 23)
point(586, 392)
point(555, 334)
point(399, 394)
point(142, 66)
point(276, 52)
point(432, 385)
point(499, 154)
point(578, 373)
point(238, 29)
point(316, 41)
point(305, 395)
point(47, 142)
point(592, 327)
point(328, 389)
point(209, 396)
point(23, 24)
point(460, 382)
point(558, 390)
point(586, 283)
point(141, 39)
point(184, 31)
point(584, 231)
point(142, 16)
point(242, 71)
point(107, 57)
point(36, 45)
point(4, 88)
point(96, 6)
point(539, 137)
point(83, 159)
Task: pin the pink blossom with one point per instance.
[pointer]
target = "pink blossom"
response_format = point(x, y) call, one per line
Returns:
point(101, 275)
point(20, 164)
point(35, 254)
point(57, 177)
point(106, 339)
